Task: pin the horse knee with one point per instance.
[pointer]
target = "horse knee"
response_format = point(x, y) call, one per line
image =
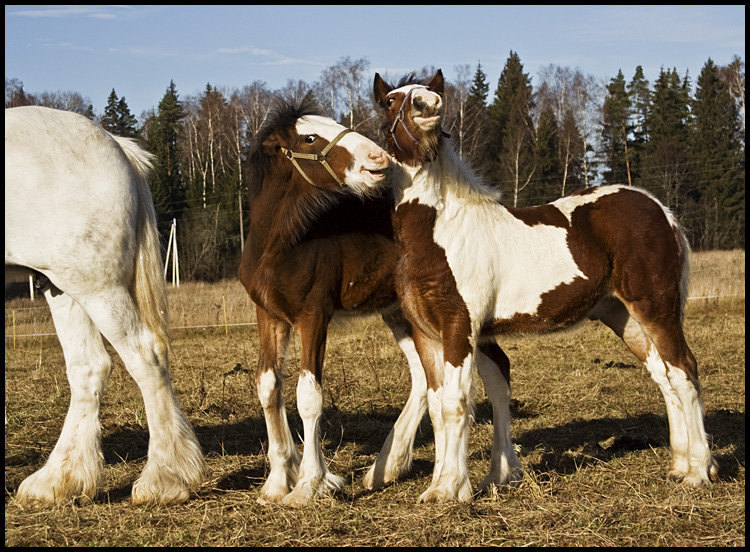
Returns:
point(90, 379)
point(269, 389)
point(309, 396)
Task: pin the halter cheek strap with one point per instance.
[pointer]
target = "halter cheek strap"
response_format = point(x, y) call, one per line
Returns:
point(400, 119)
point(321, 157)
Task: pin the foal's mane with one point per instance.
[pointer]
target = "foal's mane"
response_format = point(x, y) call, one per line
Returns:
point(283, 115)
point(293, 215)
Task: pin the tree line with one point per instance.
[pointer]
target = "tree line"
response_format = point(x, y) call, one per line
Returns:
point(683, 143)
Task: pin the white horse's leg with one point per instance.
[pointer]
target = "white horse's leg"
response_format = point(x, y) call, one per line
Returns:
point(283, 456)
point(75, 465)
point(175, 461)
point(456, 403)
point(396, 454)
point(504, 464)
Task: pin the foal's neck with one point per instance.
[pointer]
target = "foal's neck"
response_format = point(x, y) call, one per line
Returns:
point(285, 211)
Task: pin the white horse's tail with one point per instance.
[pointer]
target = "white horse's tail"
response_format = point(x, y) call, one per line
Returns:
point(148, 288)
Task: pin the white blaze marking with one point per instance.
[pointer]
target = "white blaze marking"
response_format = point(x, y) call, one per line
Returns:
point(358, 146)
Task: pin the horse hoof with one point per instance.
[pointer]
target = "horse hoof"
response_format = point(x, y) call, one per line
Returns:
point(46, 486)
point(296, 499)
point(271, 496)
point(510, 479)
point(432, 496)
point(697, 480)
point(165, 490)
point(370, 482)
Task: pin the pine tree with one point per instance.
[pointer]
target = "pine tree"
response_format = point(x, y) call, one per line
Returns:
point(719, 163)
point(615, 129)
point(162, 139)
point(511, 131)
point(170, 115)
point(544, 186)
point(126, 122)
point(110, 118)
point(640, 98)
point(665, 168)
point(151, 135)
point(476, 116)
point(479, 88)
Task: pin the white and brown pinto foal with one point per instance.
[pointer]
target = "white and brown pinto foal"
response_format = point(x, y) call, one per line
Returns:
point(472, 269)
point(78, 210)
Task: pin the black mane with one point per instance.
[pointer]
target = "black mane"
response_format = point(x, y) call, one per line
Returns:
point(410, 78)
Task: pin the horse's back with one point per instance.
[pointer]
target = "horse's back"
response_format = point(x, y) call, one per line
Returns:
point(48, 150)
point(70, 195)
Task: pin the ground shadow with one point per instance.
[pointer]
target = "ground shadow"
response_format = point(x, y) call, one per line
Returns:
point(573, 445)
point(567, 447)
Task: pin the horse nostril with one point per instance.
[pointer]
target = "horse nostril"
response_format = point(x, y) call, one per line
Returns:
point(379, 157)
point(418, 102)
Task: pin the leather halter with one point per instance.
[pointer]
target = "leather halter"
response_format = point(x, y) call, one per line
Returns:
point(321, 157)
point(400, 119)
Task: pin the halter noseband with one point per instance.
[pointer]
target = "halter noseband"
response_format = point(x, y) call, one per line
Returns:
point(293, 156)
point(400, 119)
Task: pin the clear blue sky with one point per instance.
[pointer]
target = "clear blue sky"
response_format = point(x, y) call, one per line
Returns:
point(137, 49)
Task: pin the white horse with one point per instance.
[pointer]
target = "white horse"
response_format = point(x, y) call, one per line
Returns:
point(78, 210)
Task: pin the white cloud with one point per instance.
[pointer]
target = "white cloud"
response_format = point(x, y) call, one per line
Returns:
point(60, 12)
point(271, 56)
point(233, 51)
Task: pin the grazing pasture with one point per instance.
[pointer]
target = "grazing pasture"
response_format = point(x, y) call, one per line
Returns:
point(594, 456)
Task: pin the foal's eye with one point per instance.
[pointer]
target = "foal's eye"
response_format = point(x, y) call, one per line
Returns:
point(310, 138)
point(389, 102)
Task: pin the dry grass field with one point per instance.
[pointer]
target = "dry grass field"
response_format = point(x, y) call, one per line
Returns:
point(589, 425)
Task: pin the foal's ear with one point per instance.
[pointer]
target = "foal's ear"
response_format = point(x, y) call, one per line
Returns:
point(271, 143)
point(436, 84)
point(380, 88)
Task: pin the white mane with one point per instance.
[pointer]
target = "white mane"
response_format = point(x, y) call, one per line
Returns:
point(446, 178)
point(460, 180)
